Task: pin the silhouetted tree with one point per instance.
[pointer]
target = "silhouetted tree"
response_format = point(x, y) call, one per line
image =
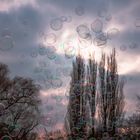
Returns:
point(76, 109)
point(91, 89)
point(111, 101)
point(19, 100)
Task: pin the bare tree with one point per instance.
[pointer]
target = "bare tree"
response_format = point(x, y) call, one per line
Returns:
point(20, 100)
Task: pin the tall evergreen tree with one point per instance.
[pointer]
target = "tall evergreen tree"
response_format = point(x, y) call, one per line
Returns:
point(76, 109)
point(91, 89)
point(111, 93)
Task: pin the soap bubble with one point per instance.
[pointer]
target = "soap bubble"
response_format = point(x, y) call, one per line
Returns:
point(108, 17)
point(112, 33)
point(83, 31)
point(97, 26)
point(50, 51)
point(80, 11)
point(63, 18)
point(69, 19)
point(56, 24)
point(42, 50)
point(100, 40)
point(50, 38)
point(70, 53)
point(6, 43)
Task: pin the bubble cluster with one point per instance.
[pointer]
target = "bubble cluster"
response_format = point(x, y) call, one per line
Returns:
point(100, 40)
point(56, 82)
point(97, 26)
point(83, 31)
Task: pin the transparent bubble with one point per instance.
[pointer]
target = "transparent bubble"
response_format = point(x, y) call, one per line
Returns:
point(137, 22)
point(6, 43)
point(51, 52)
point(112, 33)
point(69, 19)
point(83, 31)
point(56, 24)
point(42, 50)
point(80, 11)
point(6, 137)
point(123, 47)
point(108, 17)
point(63, 18)
point(50, 38)
point(70, 53)
point(100, 40)
point(42, 64)
point(97, 26)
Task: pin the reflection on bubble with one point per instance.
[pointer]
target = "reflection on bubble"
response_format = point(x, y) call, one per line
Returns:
point(6, 43)
point(56, 24)
point(83, 31)
point(69, 19)
point(70, 53)
point(79, 11)
point(100, 40)
point(97, 26)
point(137, 22)
point(63, 18)
point(84, 42)
point(50, 38)
point(112, 33)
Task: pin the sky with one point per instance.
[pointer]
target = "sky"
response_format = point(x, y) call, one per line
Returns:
point(40, 39)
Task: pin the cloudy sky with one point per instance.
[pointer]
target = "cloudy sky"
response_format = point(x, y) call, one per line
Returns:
point(40, 38)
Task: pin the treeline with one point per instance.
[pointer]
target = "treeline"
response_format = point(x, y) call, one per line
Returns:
point(96, 99)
